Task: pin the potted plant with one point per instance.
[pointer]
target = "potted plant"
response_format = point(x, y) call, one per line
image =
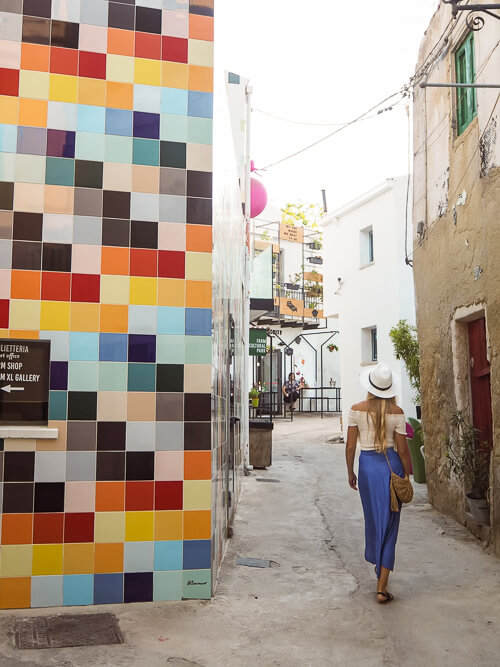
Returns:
point(332, 347)
point(469, 460)
point(295, 281)
point(316, 259)
point(405, 342)
point(414, 444)
point(254, 394)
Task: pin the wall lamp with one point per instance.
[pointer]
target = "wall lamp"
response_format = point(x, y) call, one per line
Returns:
point(473, 22)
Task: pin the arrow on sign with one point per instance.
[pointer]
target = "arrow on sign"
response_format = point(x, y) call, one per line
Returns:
point(8, 388)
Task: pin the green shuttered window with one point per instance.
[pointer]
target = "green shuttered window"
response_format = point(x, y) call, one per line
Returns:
point(465, 73)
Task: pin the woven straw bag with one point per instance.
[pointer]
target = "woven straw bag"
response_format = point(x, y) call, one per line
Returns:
point(400, 487)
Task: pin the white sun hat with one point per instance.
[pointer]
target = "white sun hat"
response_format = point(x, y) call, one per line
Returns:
point(380, 381)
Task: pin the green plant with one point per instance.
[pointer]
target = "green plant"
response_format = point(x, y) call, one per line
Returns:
point(254, 392)
point(405, 342)
point(296, 279)
point(314, 289)
point(303, 214)
point(266, 235)
point(466, 457)
point(332, 347)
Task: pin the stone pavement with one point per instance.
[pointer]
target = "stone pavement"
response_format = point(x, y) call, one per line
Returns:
point(316, 606)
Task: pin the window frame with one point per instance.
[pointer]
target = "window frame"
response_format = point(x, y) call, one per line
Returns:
point(374, 343)
point(465, 72)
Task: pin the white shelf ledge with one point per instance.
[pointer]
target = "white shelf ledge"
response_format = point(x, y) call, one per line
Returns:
point(29, 432)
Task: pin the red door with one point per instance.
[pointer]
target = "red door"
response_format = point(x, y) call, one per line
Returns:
point(480, 381)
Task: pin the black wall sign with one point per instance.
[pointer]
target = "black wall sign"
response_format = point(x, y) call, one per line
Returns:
point(24, 381)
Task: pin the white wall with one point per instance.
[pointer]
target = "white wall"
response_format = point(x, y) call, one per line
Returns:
point(378, 294)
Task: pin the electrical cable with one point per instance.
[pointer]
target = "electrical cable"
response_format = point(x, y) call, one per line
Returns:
point(408, 261)
point(299, 122)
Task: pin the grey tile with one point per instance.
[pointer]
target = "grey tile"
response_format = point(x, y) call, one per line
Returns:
point(143, 206)
point(50, 466)
point(5, 254)
point(169, 436)
point(32, 140)
point(140, 437)
point(170, 407)
point(94, 12)
point(82, 436)
point(11, 26)
point(81, 466)
point(172, 181)
point(87, 230)
point(14, 6)
point(88, 202)
point(172, 208)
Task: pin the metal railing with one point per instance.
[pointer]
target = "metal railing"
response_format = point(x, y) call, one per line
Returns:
point(318, 400)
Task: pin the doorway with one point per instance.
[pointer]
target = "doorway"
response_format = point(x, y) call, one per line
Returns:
point(480, 384)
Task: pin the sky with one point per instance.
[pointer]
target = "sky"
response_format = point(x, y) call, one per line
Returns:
point(324, 62)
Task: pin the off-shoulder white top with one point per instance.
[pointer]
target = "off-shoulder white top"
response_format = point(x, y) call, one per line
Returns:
point(361, 419)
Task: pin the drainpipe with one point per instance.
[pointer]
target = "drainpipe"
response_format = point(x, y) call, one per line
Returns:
point(248, 169)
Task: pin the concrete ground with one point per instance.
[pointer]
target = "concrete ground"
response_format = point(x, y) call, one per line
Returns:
point(316, 606)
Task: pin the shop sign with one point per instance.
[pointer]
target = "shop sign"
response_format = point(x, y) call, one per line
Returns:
point(291, 233)
point(258, 343)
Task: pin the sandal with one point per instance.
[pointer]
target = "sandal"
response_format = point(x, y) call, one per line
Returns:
point(387, 597)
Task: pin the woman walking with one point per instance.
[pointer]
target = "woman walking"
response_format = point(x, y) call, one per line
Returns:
point(380, 426)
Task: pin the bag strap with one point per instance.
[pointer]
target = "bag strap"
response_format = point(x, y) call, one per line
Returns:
point(388, 463)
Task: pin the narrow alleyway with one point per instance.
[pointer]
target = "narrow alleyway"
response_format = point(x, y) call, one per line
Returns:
point(316, 605)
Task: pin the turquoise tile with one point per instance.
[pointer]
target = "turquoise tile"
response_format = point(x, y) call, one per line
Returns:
point(147, 152)
point(170, 349)
point(118, 149)
point(196, 585)
point(90, 146)
point(168, 555)
point(167, 586)
point(47, 591)
point(200, 130)
point(91, 119)
point(141, 377)
point(174, 101)
point(198, 350)
point(82, 376)
point(58, 405)
point(78, 589)
point(171, 320)
point(84, 346)
point(113, 376)
point(60, 171)
point(174, 128)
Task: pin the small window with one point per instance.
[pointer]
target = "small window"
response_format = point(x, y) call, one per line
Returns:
point(366, 255)
point(465, 73)
point(373, 333)
point(369, 347)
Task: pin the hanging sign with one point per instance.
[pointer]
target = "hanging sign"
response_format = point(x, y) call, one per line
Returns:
point(24, 381)
point(291, 233)
point(258, 343)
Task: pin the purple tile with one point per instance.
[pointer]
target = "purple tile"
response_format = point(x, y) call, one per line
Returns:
point(32, 140)
point(142, 348)
point(146, 125)
point(59, 375)
point(61, 143)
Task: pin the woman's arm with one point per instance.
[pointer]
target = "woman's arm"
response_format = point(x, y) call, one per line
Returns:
point(403, 451)
point(350, 451)
point(284, 390)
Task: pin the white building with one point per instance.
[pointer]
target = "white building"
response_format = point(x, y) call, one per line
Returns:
point(368, 285)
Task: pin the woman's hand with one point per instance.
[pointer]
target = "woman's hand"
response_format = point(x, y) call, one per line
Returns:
point(353, 481)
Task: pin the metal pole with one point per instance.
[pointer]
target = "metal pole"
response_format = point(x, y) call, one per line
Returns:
point(271, 380)
point(322, 345)
point(248, 167)
point(459, 85)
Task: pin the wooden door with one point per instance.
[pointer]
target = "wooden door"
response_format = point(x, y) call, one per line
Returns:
point(480, 380)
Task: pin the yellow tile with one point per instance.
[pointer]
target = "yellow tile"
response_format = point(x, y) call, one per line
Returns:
point(120, 68)
point(16, 560)
point(197, 495)
point(78, 558)
point(55, 315)
point(24, 314)
point(34, 85)
point(115, 289)
point(174, 75)
point(84, 317)
point(9, 107)
point(63, 88)
point(148, 72)
point(139, 526)
point(168, 525)
point(47, 559)
point(92, 91)
point(109, 527)
point(201, 53)
point(198, 266)
point(171, 292)
point(143, 291)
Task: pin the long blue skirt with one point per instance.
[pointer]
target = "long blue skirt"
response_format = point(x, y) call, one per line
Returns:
point(381, 524)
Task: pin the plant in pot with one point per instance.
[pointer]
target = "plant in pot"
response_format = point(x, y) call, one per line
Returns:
point(415, 443)
point(254, 394)
point(332, 347)
point(295, 281)
point(469, 460)
point(405, 343)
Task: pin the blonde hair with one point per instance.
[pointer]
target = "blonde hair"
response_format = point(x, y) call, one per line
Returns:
point(378, 409)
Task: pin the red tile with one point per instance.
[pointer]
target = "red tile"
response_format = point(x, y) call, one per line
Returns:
point(168, 495)
point(143, 262)
point(56, 286)
point(63, 61)
point(48, 528)
point(85, 287)
point(92, 65)
point(147, 46)
point(4, 313)
point(174, 49)
point(79, 527)
point(171, 264)
point(139, 496)
point(9, 81)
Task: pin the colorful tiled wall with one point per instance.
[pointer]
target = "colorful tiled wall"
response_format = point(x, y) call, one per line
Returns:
point(105, 249)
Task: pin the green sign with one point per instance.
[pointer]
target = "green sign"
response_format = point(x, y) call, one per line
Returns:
point(258, 342)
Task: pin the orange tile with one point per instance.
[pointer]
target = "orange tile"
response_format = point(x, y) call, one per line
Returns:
point(64, 61)
point(115, 261)
point(171, 292)
point(197, 525)
point(201, 78)
point(25, 285)
point(119, 95)
point(141, 406)
point(198, 294)
point(121, 42)
point(9, 109)
point(78, 558)
point(201, 27)
point(147, 46)
point(199, 238)
point(92, 91)
point(35, 57)
point(33, 113)
point(109, 496)
point(168, 525)
point(114, 319)
point(22, 333)
point(84, 317)
point(197, 465)
point(174, 75)
point(108, 558)
point(17, 529)
point(15, 593)
point(59, 199)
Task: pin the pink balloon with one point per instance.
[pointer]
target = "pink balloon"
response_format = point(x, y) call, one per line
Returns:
point(258, 194)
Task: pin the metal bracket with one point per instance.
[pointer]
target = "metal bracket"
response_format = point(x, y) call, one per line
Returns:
point(473, 22)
